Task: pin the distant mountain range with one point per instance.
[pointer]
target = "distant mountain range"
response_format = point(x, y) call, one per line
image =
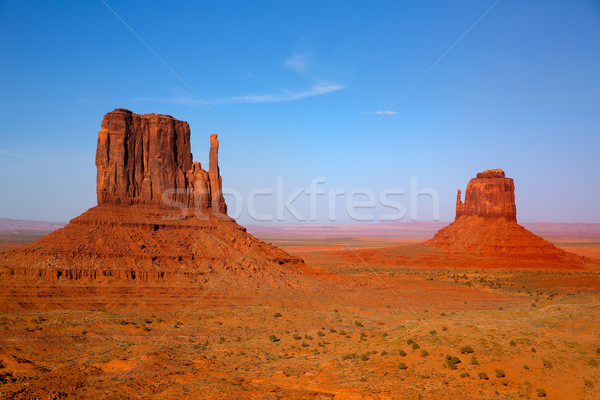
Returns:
point(7, 224)
point(416, 230)
point(424, 229)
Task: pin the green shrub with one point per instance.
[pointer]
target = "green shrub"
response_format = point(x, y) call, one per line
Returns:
point(464, 374)
point(409, 342)
point(541, 393)
point(349, 356)
point(358, 323)
point(598, 350)
point(424, 353)
point(304, 344)
point(342, 332)
point(273, 338)
point(533, 350)
point(512, 343)
point(526, 366)
point(364, 357)
point(307, 336)
point(147, 329)
point(466, 350)
point(320, 334)
point(588, 383)
point(547, 363)
point(483, 375)
point(402, 353)
point(221, 339)
point(384, 353)
point(474, 361)
point(593, 362)
point(332, 330)
point(402, 365)
point(500, 373)
point(433, 332)
point(444, 328)
point(238, 339)
point(277, 315)
point(296, 336)
point(415, 346)
point(452, 361)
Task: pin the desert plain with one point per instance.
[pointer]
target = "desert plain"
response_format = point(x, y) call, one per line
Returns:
point(387, 332)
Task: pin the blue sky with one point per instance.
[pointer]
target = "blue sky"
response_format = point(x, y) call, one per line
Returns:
point(290, 87)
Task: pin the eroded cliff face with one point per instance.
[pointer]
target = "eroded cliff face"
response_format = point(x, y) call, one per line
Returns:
point(489, 195)
point(147, 159)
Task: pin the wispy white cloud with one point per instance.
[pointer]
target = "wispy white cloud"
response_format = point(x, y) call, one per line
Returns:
point(297, 63)
point(388, 112)
point(317, 89)
point(285, 95)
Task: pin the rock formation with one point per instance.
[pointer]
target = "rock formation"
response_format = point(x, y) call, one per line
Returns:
point(147, 159)
point(490, 195)
point(486, 223)
point(160, 216)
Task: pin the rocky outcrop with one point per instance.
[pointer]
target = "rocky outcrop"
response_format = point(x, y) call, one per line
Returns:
point(147, 159)
point(490, 195)
point(160, 216)
point(486, 223)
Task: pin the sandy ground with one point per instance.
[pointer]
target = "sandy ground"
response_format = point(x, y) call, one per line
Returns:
point(478, 334)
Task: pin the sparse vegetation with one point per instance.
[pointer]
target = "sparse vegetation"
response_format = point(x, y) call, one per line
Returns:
point(466, 350)
point(452, 361)
point(273, 338)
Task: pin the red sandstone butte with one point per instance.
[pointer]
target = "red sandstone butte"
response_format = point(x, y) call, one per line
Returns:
point(159, 217)
point(147, 159)
point(486, 223)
